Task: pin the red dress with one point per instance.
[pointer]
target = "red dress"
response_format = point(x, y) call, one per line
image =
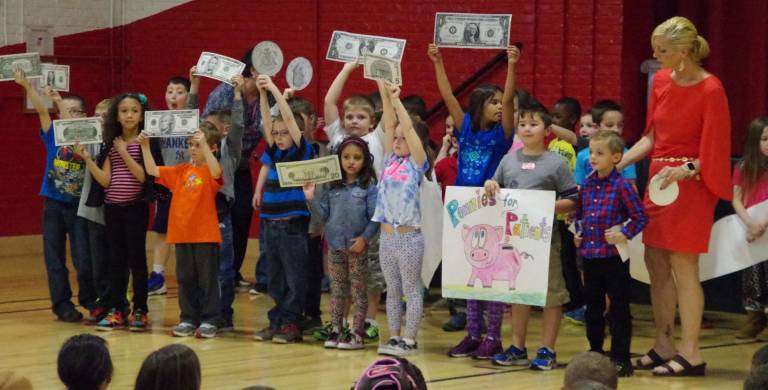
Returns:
point(688, 122)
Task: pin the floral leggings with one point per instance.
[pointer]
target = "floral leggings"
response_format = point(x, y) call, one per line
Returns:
point(347, 270)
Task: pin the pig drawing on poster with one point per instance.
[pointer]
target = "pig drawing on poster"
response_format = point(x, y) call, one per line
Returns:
point(489, 259)
point(497, 249)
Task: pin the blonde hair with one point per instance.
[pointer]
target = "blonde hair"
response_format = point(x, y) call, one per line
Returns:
point(360, 102)
point(681, 33)
point(611, 138)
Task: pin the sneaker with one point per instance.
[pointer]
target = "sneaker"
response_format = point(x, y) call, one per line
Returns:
point(242, 283)
point(206, 331)
point(371, 332)
point(389, 347)
point(288, 334)
point(224, 325)
point(322, 333)
point(325, 285)
point(265, 334)
point(405, 349)
point(309, 325)
point(576, 316)
point(113, 320)
point(71, 316)
point(184, 329)
point(624, 369)
point(254, 292)
point(457, 322)
point(333, 340)
point(513, 356)
point(156, 284)
point(95, 315)
point(545, 360)
point(465, 347)
point(137, 321)
point(351, 341)
point(487, 349)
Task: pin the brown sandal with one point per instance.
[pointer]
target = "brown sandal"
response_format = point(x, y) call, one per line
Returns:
point(656, 360)
point(688, 368)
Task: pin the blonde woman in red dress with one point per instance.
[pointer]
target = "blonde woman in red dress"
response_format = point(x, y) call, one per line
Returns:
point(688, 140)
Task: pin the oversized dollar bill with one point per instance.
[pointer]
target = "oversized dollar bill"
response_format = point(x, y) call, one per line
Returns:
point(56, 76)
point(218, 67)
point(27, 62)
point(80, 130)
point(474, 31)
point(382, 68)
point(171, 123)
point(319, 170)
point(349, 47)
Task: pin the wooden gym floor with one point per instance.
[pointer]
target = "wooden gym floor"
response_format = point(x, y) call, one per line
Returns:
point(30, 338)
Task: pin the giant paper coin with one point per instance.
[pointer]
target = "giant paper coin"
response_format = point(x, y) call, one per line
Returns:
point(267, 58)
point(298, 74)
point(662, 197)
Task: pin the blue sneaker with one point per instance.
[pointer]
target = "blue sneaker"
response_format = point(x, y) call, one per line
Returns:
point(576, 316)
point(456, 323)
point(546, 359)
point(156, 284)
point(513, 356)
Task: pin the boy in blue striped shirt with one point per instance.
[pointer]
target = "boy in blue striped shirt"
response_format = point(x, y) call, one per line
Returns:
point(286, 220)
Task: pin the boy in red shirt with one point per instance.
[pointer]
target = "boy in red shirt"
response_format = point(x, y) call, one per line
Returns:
point(193, 226)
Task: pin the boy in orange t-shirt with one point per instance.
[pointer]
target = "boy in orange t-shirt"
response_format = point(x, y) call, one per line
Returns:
point(193, 226)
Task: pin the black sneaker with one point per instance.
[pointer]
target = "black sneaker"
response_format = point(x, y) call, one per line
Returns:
point(260, 287)
point(71, 316)
point(288, 334)
point(457, 322)
point(225, 325)
point(309, 325)
point(265, 334)
point(624, 369)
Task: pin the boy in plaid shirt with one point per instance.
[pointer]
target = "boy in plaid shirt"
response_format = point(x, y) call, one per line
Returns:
point(606, 201)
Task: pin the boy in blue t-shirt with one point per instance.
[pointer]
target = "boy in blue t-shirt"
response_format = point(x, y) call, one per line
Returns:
point(285, 219)
point(606, 115)
point(61, 188)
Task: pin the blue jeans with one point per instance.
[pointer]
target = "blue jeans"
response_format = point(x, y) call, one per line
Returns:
point(261, 264)
point(226, 270)
point(285, 244)
point(59, 220)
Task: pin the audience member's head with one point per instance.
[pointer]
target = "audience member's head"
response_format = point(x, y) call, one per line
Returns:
point(84, 363)
point(10, 381)
point(590, 366)
point(757, 379)
point(590, 385)
point(760, 357)
point(391, 374)
point(173, 367)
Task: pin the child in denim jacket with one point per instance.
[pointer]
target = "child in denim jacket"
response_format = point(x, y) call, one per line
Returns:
point(346, 209)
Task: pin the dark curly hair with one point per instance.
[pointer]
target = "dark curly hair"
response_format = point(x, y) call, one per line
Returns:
point(113, 128)
point(367, 175)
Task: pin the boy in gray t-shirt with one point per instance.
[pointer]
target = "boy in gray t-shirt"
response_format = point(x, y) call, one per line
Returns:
point(534, 168)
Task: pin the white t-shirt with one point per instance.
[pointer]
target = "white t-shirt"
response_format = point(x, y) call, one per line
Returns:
point(375, 140)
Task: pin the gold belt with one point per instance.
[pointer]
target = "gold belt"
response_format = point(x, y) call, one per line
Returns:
point(674, 159)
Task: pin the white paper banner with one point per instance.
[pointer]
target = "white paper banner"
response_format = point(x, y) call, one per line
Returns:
point(431, 201)
point(497, 249)
point(729, 250)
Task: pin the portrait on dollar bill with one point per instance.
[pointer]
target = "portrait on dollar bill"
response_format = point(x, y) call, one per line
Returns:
point(210, 65)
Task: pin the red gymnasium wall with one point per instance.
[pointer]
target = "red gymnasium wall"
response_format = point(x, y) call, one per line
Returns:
point(571, 48)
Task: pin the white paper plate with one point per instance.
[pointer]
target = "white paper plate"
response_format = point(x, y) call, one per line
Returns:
point(662, 197)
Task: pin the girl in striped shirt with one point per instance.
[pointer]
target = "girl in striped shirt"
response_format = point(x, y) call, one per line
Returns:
point(120, 171)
